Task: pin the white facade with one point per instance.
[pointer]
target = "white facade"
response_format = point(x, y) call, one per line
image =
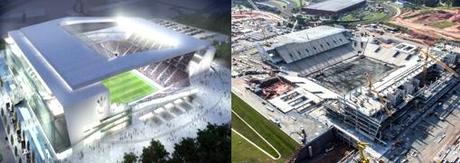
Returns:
point(63, 88)
point(306, 43)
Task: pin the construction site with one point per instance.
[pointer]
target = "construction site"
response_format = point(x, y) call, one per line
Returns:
point(389, 93)
point(367, 89)
point(349, 75)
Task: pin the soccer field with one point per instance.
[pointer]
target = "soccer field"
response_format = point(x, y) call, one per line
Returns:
point(127, 87)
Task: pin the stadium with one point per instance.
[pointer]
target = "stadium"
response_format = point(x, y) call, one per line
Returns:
point(76, 79)
point(367, 87)
point(333, 7)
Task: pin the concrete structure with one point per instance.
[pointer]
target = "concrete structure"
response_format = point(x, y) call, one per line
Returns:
point(57, 68)
point(292, 100)
point(299, 45)
point(369, 113)
point(362, 84)
point(333, 7)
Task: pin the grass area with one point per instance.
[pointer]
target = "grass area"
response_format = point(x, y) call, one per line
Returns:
point(127, 87)
point(374, 16)
point(223, 52)
point(442, 24)
point(280, 140)
point(349, 17)
point(281, 3)
point(278, 3)
point(362, 16)
point(365, 17)
point(243, 151)
point(243, 129)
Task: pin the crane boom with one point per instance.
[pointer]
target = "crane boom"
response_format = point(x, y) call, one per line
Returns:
point(438, 61)
point(362, 157)
point(293, 26)
point(382, 100)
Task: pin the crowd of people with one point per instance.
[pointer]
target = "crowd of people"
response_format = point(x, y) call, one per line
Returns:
point(210, 105)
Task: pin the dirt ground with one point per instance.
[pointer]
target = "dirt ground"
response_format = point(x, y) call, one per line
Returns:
point(276, 89)
point(429, 25)
point(240, 15)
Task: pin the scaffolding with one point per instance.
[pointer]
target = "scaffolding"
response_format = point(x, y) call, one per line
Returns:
point(344, 113)
point(403, 95)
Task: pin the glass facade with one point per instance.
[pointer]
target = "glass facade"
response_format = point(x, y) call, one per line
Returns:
point(31, 89)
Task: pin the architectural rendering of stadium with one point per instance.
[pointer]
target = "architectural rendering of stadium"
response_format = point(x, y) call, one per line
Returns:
point(78, 78)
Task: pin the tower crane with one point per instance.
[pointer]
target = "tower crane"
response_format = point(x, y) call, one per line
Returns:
point(362, 157)
point(382, 100)
point(424, 69)
point(427, 55)
point(293, 26)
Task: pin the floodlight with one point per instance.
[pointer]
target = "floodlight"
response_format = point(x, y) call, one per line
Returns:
point(133, 25)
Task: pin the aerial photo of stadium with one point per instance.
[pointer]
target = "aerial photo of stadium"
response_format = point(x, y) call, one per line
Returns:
point(77, 89)
point(348, 81)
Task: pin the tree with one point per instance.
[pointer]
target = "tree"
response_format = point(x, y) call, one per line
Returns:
point(300, 20)
point(223, 51)
point(129, 158)
point(431, 3)
point(455, 3)
point(2, 44)
point(449, 3)
point(214, 143)
point(211, 145)
point(186, 151)
point(156, 152)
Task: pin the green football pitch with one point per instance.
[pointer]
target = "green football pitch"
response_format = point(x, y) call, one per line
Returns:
point(127, 87)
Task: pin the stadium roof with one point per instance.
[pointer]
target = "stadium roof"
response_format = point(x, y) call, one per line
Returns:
point(302, 44)
point(68, 65)
point(334, 5)
point(306, 35)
